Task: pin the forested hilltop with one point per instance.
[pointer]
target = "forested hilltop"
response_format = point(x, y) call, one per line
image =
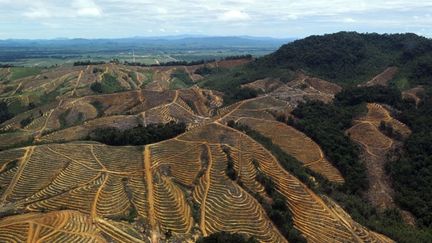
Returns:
point(350, 57)
point(347, 58)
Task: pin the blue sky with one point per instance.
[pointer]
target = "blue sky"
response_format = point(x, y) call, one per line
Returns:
point(276, 18)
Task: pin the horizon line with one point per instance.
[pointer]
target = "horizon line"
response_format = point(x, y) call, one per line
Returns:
point(180, 36)
point(185, 36)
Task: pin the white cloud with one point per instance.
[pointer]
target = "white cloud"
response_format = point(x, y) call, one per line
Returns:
point(253, 17)
point(160, 10)
point(86, 8)
point(234, 16)
point(292, 16)
point(49, 9)
point(37, 13)
point(89, 12)
point(349, 20)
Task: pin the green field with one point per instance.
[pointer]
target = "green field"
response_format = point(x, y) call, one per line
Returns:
point(22, 72)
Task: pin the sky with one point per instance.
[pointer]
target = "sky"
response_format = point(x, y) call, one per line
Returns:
point(47, 19)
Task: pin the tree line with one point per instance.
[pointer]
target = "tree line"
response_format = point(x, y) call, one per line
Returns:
point(140, 135)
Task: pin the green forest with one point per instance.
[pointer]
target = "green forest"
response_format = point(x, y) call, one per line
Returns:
point(347, 58)
point(350, 58)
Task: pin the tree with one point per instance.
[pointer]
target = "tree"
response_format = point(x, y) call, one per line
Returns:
point(4, 112)
point(225, 237)
point(139, 135)
point(96, 87)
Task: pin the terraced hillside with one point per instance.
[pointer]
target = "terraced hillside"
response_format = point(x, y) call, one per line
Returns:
point(58, 83)
point(300, 89)
point(415, 94)
point(259, 114)
point(377, 146)
point(297, 144)
point(74, 118)
point(56, 185)
point(176, 188)
point(86, 182)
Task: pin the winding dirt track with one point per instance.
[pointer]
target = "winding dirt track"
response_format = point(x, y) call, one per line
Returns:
point(149, 179)
point(24, 160)
point(40, 132)
point(77, 82)
point(207, 187)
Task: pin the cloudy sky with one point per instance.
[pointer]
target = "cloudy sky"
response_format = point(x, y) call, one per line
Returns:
point(275, 18)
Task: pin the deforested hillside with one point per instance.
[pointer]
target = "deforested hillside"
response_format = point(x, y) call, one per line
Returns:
point(326, 140)
point(137, 193)
point(22, 89)
point(75, 118)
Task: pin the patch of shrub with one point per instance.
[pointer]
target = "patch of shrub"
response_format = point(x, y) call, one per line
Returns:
point(4, 112)
point(225, 237)
point(96, 87)
point(26, 121)
point(139, 135)
point(230, 171)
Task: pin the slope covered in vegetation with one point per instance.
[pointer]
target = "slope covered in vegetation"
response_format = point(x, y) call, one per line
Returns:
point(349, 57)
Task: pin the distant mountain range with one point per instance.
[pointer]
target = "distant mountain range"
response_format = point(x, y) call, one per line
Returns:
point(167, 41)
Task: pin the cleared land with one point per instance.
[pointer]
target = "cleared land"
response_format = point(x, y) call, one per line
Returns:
point(302, 88)
point(259, 114)
point(175, 190)
point(74, 118)
point(41, 85)
point(415, 94)
point(376, 147)
point(383, 78)
point(101, 184)
point(297, 144)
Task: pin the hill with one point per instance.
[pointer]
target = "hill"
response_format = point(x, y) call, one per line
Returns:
point(24, 88)
point(148, 188)
point(274, 149)
point(349, 57)
point(182, 200)
point(346, 58)
point(367, 68)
